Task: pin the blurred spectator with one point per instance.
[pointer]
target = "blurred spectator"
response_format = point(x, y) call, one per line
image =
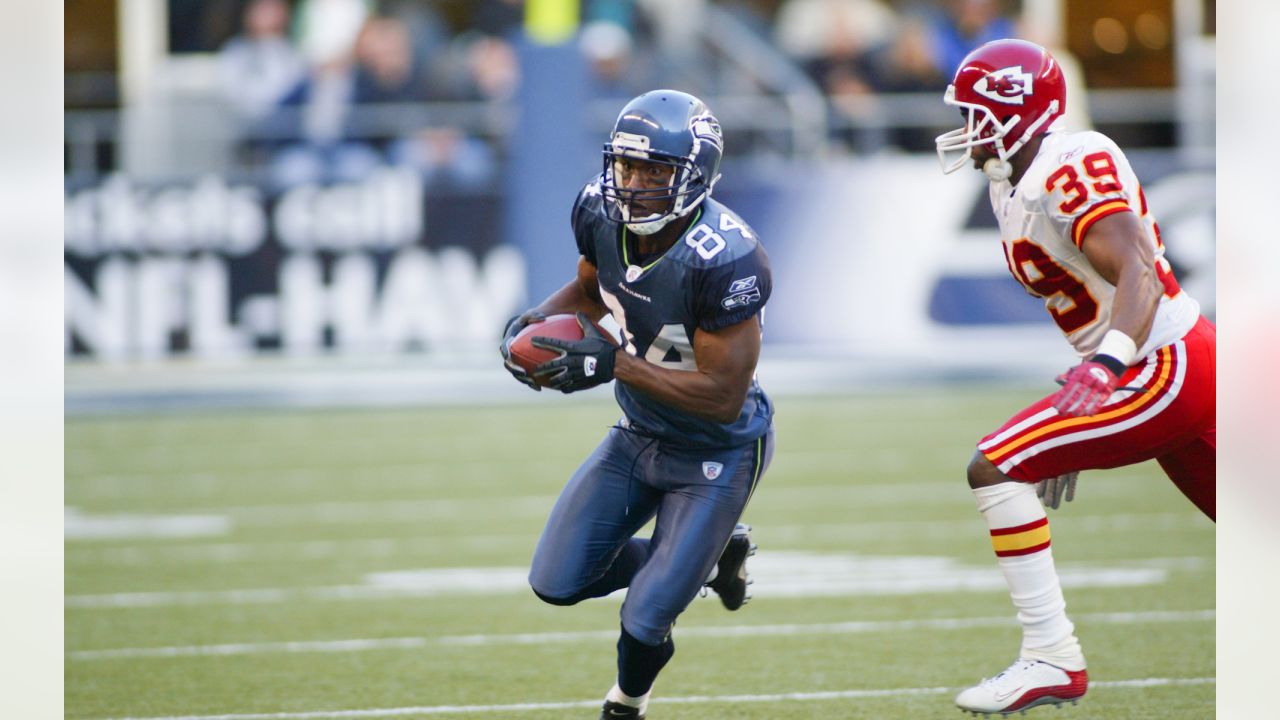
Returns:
point(428, 33)
point(907, 64)
point(616, 72)
point(833, 40)
point(964, 25)
point(327, 29)
point(259, 66)
point(478, 67)
point(494, 69)
point(675, 27)
point(386, 68)
point(322, 154)
point(327, 33)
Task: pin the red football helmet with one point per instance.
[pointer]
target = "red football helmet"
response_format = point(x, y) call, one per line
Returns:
point(1010, 91)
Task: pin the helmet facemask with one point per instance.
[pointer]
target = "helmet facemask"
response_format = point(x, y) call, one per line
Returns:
point(982, 127)
point(684, 191)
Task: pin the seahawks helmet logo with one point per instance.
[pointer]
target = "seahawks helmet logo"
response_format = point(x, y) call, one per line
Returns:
point(706, 127)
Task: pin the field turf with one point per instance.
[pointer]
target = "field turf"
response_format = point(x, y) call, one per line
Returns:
point(369, 564)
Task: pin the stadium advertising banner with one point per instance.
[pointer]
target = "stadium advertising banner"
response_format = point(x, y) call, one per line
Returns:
point(216, 269)
point(882, 255)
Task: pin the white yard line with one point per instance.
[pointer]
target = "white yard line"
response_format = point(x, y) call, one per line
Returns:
point(843, 628)
point(686, 700)
point(781, 573)
point(144, 551)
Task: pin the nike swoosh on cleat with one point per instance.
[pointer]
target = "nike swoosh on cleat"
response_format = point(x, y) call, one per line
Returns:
point(1001, 697)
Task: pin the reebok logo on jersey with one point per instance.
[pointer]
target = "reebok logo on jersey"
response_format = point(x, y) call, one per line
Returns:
point(1065, 157)
point(741, 299)
point(1007, 85)
point(742, 285)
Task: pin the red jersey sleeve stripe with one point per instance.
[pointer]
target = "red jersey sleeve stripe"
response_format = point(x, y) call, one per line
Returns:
point(1086, 220)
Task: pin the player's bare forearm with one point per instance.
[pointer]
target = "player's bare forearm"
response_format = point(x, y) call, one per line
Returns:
point(1118, 249)
point(704, 395)
point(581, 294)
point(1137, 296)
point(716, 391)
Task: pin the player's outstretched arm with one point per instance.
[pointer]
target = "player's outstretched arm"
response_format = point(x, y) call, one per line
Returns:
point(1118, 248)
point(726, 360)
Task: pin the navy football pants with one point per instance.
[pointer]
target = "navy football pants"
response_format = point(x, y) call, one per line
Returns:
point(626, 481)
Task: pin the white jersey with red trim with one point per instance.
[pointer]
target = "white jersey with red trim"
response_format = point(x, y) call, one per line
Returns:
point(1075, 180)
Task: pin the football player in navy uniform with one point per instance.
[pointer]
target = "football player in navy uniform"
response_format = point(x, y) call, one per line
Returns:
point(686, 280)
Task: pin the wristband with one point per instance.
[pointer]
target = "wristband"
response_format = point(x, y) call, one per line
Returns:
point(1116, 367)
point(1117, 345)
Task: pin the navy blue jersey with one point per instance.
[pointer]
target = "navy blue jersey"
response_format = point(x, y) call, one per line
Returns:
point(714, 276)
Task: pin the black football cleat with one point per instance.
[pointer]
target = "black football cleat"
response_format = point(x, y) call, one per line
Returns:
point(731, 577)
point(618, 711)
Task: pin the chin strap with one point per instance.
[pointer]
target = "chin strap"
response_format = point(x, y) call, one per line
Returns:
point(997, 170)
point(643, 226)
point(651, 227)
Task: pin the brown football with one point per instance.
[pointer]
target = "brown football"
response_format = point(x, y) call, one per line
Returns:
point(523, 352)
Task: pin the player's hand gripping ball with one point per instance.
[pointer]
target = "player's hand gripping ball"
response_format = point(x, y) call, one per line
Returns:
point(569, 347)
point(514, 326)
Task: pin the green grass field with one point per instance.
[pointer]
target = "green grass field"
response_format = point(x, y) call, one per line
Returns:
point(239, 566)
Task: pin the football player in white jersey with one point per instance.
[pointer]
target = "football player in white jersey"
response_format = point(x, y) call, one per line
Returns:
point(1077, 232)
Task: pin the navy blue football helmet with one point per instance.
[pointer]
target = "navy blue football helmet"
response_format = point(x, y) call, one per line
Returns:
point(665, 127)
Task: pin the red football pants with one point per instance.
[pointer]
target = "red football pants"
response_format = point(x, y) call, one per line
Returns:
point(1172, 419)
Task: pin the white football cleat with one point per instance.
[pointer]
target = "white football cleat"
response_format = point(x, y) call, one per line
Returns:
point(1023, 685)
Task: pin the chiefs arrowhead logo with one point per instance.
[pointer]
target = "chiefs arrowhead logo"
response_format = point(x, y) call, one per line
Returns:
point(1007, 85)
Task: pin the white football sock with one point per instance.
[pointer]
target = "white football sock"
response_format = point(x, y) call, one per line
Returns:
point(616, 695)
point(1020, 537)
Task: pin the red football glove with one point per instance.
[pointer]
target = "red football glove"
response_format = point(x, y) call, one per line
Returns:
point(1085, 387)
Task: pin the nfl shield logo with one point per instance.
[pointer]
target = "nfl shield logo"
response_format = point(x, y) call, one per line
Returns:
point(633, 272)
point(712, 469)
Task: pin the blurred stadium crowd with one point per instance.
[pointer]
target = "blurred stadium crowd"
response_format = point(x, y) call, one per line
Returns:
point(321, 90)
